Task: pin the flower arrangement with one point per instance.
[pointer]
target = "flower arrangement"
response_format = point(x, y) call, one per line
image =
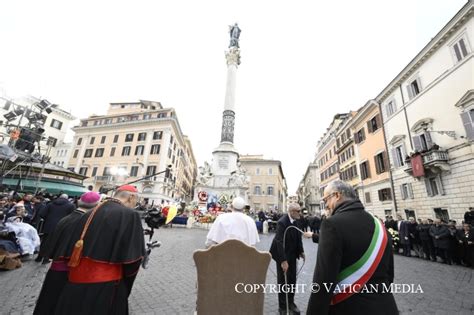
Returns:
point(207, 218)
point(395, 239)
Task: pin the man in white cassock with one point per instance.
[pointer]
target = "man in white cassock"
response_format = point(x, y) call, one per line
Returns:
point(234, 225)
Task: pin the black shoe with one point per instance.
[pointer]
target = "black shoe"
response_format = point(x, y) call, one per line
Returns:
point(39, 258)
point(45, 261)
point(294, 309)
point(282, 311)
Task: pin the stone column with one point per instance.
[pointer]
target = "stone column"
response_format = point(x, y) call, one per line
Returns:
point(228, 116)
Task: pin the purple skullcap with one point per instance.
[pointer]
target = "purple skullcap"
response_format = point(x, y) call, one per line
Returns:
point(90, 197)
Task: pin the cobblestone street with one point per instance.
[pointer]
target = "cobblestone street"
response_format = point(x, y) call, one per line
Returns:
point(168, 285)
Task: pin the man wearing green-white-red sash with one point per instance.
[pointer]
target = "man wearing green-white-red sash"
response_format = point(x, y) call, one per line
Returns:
point(354, 267)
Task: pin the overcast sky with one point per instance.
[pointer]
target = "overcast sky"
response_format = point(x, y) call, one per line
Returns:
point(302, 62)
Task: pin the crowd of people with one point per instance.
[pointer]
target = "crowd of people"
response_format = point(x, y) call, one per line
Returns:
point(432, 239)
point(26, 220)
point(92, 269)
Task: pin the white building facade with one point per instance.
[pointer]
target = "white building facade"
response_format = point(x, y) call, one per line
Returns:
point(428, 120)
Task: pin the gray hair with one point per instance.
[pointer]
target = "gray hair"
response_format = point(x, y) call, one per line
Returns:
point(293, 206)
point(343, 188)
point(64, 196)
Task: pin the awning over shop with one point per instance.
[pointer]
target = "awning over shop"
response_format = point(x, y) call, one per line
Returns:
point(29, 185)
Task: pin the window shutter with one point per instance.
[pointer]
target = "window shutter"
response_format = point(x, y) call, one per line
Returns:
point(395, 158)
point(418, 81)
point(380, 195)
point(410, 91)
point(429, 191)
point(417, 143)
point(368, 168)
point(466, 121)
point(403, 192)
point(410, 191)
point(377, 170)
point(439, 183)
point(378, 119)
point(429, 141)
point(356, 138)
point(362, 137)
point(386, 164)
point(369, 126)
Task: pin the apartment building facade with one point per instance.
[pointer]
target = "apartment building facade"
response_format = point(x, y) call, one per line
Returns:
point(134, 140)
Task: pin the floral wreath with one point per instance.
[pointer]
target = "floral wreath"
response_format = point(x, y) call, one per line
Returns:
point(202, 195)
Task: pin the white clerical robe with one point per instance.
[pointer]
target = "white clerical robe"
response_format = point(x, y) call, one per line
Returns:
point(234, 225)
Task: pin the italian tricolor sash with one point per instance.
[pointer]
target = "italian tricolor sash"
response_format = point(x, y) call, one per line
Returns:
point(353, 278)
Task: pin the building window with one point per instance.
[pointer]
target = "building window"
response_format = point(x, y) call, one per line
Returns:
point(398, 155)
point(171, 139)
point(407, 191)
point(410, 214)
point(76, 152)
point(92, 140)
point(102, 140)
point(88, 153)
point(381, 163)
point(460, 49)
point(146, 116)
point(270, 171)
point(270, 190)
point(157, 135)
point(112, 152)
point(83, 171)
point(170, 152)
point(94, 172)
point(161, 115)
point(99, 152)
point(422, 142)
point(52, 141)
point(126, 151)
point(390, 108)
point(359, 136)
point(364, 170)
point(129, 137)
point(139, 150)
point(385, 194)
point(367, 197)
point(441, 213)
point(257, 190)
point(374, 124)
point(106, 171)
point(257, 171)
point(116, 138)
point(155, 149)
point(414, 88)
point(134, 171)
point(434, 186)
point(142, 136)
point(150, 170)
point(56, 124)
point(79, 141)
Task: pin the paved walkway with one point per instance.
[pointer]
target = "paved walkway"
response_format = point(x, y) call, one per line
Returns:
point(168, 285)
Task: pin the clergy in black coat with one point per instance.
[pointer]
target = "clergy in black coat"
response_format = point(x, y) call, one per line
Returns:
point(57, 275)
point(52, 214)
point(113, 248)
point(344, 238)
point(286, 255)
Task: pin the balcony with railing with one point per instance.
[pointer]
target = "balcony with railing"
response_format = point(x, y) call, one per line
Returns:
point(434, 160)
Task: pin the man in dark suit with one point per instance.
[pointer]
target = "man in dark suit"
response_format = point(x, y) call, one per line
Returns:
point(286, 253)
point(346, 238)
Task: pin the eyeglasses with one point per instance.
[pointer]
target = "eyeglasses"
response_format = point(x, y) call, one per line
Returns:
point(325, 199)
